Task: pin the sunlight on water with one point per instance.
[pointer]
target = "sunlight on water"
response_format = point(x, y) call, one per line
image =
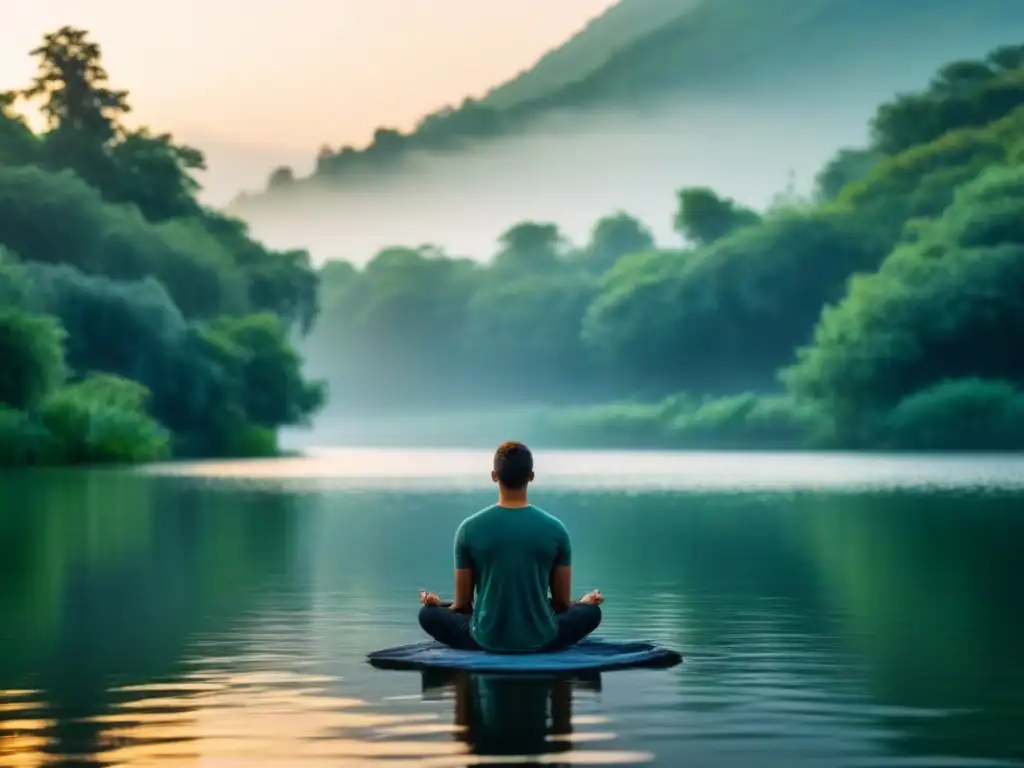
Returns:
point(832, 610)
point(341, 468)
point(219, 717)
point(235, 704)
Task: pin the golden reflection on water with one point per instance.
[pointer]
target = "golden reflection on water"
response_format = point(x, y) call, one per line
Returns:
point(273, 718)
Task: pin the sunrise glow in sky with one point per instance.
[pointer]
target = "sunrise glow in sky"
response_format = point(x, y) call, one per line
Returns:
point(295, 74)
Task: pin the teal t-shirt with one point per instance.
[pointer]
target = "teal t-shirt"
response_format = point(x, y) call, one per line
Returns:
point(512, 551)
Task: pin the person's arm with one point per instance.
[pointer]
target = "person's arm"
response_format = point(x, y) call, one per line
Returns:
point(463, 573)
point(561, 574)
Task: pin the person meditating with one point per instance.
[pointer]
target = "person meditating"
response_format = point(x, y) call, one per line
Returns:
point(511, 554)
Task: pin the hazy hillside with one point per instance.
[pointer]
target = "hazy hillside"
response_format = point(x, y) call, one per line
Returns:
point(733, 94)
point(595, 45)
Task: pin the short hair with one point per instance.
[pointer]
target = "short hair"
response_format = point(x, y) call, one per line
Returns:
point(514, 463)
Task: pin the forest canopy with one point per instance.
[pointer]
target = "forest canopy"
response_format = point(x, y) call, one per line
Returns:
point(884, 311)
point(135, 323)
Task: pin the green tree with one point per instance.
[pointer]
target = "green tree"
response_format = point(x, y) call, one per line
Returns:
point(282, 282)
point(154, 174)
point(728, 315)
point(103, 419)
point(614, 237)
point(72, 86)
point(97, 238)
point(82, 112)
point(529, 248)
point(280, 178)
point(946, 306)
point(18, 145)
point(32, 355)
point(162, 304)
point(703, 217)
point(262, 372)
point(963, 94)
point(846, 166)
point(523, 335)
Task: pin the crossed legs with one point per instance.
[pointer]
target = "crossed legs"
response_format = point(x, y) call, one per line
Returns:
point(452, 629)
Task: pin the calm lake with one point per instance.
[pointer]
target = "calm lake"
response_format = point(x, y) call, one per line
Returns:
point(832, 611)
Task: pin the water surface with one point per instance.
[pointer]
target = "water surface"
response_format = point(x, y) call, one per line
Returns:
point(833, 611)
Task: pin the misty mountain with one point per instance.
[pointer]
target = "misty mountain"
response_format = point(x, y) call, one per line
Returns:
point(741, 96)
point(595, 45)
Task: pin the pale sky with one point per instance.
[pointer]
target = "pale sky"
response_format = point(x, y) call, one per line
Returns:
point(294, 74)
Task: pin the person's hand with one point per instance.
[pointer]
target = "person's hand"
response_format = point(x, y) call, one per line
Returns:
point(429, 598)
point(592, 598)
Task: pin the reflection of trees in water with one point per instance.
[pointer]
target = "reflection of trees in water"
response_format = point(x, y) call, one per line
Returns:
point(717, 555)
point(107, 575)
point(922, 589)
point(930, 589)
point(499, 715)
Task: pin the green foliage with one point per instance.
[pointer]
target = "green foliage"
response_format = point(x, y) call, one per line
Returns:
point(622, 425)
point(846, 167)
point(534, 318)
point(102, 420)
point(395, 327)
point(703, 217)
point(731, 312)
point(744, 421)
point(261, 371)
point(529, 248)
point(100, 239)
point(905, 275)
point(33, 360)
point(71, 84)
point(24, 441)
point(175, 323)
point(891, 305)
point(13, 284)
point(612, 238)
point(963, 94)
point(920, 183)
point(946, 306)
point(749, 421)
point(154, 175)
point(18, 145)
point(282, 282)
point(959, 415)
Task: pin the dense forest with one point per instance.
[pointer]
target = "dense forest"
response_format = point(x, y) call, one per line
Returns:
point(644, 52)
point(885, 312)
point(135, 323)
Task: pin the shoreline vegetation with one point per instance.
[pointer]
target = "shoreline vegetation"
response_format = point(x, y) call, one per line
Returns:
point(135, 323)
point(883, 313)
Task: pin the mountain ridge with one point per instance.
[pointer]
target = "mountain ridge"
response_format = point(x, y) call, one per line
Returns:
point(705, 49)
point(593, 45)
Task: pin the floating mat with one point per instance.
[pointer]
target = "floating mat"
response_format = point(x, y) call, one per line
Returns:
point(590, 654)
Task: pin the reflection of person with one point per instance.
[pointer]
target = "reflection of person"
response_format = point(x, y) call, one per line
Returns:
point(511, 554)
point(511, 715)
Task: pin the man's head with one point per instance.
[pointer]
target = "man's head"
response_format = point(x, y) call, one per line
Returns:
point(513, 466)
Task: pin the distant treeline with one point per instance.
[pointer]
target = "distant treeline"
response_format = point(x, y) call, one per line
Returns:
point(885, 312)
point(135, 324)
